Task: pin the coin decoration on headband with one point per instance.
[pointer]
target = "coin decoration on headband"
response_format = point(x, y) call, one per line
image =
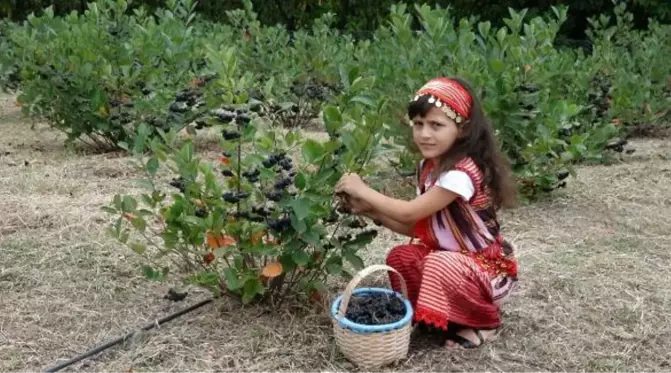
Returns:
point(445, 108)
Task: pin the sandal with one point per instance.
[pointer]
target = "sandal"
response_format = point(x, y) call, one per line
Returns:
point(466, 343)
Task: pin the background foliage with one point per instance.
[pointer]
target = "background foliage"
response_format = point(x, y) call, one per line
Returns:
point(366, 16)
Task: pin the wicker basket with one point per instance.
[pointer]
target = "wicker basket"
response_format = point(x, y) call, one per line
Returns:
point(371, 346)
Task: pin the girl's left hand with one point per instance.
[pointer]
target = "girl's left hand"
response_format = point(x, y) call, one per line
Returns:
point(351, 184)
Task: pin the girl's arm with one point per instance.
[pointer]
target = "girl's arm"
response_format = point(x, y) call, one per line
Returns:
point(394, 225)
point(359, 207)
point(407, 212)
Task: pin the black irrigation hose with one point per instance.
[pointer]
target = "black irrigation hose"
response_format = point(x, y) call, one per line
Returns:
point(125, 337)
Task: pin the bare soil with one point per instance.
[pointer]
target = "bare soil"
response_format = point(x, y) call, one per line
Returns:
point(593, 295)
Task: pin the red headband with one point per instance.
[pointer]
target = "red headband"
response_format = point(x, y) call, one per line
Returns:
point(452, 94)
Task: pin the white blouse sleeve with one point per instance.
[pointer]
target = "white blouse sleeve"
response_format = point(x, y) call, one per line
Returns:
point(458, 182)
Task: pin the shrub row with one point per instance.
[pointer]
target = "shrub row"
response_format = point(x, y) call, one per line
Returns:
point(133, 80)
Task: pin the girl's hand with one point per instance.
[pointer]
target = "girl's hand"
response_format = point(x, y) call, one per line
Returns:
point(351, 184)
point(358, 206)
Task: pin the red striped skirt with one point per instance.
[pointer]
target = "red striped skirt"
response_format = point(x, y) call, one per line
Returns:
point(448, 287)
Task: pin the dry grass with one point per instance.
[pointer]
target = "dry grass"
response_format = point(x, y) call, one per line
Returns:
point(594, 289)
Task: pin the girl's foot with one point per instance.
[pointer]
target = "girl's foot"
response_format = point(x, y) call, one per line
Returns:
point(468, 338)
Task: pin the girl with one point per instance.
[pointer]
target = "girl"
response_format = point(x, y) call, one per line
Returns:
point(460, 269)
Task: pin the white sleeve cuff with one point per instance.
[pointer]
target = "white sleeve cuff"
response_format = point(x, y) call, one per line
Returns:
point(458, 182)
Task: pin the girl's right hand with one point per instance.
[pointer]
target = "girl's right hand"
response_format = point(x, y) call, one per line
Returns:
point(359, 206)
point(356, 205)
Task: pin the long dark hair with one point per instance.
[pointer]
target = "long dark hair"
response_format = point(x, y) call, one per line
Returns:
point(477, 141)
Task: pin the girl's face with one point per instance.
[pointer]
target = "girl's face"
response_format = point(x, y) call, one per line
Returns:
point(434, 133)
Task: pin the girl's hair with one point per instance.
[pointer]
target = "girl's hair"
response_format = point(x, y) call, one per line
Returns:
point(477, 141)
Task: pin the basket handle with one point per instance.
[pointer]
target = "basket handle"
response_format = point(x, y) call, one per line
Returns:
point(360, 276)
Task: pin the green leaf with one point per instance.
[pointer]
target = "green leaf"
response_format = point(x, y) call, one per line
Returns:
point(311, 237)
point(497, 66)
point(299, 224)
point(361, 84)
point(355, 260)
point(152, 166)
point(148, 200)
point(288, 263)
point(483, 28)
point(501, 35)
point(117, 202)
point(231, 275)
point(364, 100)
point(301, 207)
point(312, 151)
point(139, 223)
point(252, 288)
point(208, 280)
point(146, 184)
point(300, 181)
point(301, 258)
point(138, 248)
point(129, 204)
point(332, 118)
point(334, 265)
point(152, 274)
point(109, 210)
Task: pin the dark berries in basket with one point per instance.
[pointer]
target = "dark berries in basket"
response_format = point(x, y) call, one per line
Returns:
point(375, 309)
point(230, 135)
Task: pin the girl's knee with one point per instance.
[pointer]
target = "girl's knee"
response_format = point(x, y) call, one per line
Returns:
point(394, 256)
point(401, 254)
